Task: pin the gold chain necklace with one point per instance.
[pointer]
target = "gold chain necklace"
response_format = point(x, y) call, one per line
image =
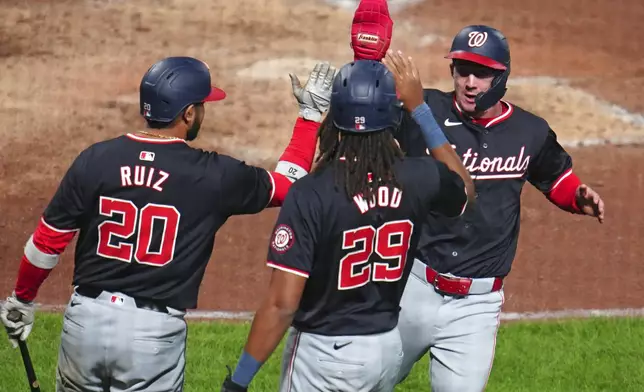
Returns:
point(159, 136)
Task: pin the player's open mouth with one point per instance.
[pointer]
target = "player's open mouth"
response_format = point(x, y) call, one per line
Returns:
point(470, 98)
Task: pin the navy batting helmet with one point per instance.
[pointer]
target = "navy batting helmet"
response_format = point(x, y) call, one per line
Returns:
point(172, 84)
point(364, 98)
point(489, 47)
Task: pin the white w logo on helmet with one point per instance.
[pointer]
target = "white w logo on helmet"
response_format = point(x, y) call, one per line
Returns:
point(477, 39)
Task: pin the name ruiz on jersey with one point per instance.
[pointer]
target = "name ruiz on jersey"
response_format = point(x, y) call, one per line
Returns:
point(513, 166)
point(384, 198)
point(143, 176)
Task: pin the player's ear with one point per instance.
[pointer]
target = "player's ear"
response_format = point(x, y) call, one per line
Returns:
point(189, 114)
point(451, 69)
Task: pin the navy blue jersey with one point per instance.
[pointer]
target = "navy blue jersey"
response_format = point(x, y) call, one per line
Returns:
point(513, 148)
point(355, 252)
point(147, 211)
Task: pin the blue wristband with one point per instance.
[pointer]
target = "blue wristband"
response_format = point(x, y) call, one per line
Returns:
point(432, 132)
point(246, 369)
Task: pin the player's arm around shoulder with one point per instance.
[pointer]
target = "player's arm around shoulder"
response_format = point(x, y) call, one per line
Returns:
point(552, 173)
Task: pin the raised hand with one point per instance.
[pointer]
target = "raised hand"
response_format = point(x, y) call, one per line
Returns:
point(315, 97)
point(407, 77)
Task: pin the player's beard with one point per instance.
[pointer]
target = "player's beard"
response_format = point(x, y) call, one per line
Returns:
point(193, 131)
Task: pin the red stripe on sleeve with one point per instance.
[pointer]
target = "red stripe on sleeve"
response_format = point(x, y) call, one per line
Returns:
point(51, 240)
point(563, 193)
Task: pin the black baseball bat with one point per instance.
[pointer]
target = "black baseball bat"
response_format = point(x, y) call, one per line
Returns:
point(26, 358)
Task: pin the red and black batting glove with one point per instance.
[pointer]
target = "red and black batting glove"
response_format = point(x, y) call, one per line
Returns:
point(230, 386)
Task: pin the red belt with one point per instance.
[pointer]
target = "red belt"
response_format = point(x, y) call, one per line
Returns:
point(455, 286)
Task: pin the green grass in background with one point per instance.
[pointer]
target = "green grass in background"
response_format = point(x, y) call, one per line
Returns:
point(575, 355)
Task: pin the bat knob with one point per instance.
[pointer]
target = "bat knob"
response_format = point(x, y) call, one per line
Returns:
point(14, 316)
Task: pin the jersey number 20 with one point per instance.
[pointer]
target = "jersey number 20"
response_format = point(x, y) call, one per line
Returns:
point(390, 242)
point(145, 218)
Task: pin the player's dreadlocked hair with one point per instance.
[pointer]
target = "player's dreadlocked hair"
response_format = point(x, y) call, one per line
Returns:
point(357, 158)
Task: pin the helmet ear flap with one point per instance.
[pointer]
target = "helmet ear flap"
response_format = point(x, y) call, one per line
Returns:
point(497, 91)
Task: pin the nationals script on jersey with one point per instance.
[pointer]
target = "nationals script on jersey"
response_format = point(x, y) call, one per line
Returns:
point(501, 156)
point(513, 166)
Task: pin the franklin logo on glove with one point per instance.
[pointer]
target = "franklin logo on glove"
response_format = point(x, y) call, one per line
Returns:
point(368, 38)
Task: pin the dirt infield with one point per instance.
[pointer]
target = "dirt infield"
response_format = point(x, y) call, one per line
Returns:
point(71, 74)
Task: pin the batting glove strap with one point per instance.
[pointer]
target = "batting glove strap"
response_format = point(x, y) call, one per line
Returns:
point(311, 114)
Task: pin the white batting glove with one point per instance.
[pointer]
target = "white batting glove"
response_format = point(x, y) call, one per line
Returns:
point(18, 318)
point(315, 97)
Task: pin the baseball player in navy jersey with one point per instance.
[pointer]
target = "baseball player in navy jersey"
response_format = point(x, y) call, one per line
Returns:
point(146, 207)
point(341, 242)
point(452, 302)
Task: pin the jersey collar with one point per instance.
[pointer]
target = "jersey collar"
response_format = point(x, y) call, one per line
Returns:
point(488, 122)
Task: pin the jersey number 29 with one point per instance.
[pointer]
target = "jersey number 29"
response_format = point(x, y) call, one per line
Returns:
point(390, 242)
point(145, 218)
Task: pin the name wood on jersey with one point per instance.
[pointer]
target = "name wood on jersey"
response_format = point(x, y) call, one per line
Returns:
point(385, 197)
point(510, 167)
point(143, 176)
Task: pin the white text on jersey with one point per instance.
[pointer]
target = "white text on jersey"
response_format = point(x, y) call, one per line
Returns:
point(385, 198)
point(143, 176)
point(517, 165)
